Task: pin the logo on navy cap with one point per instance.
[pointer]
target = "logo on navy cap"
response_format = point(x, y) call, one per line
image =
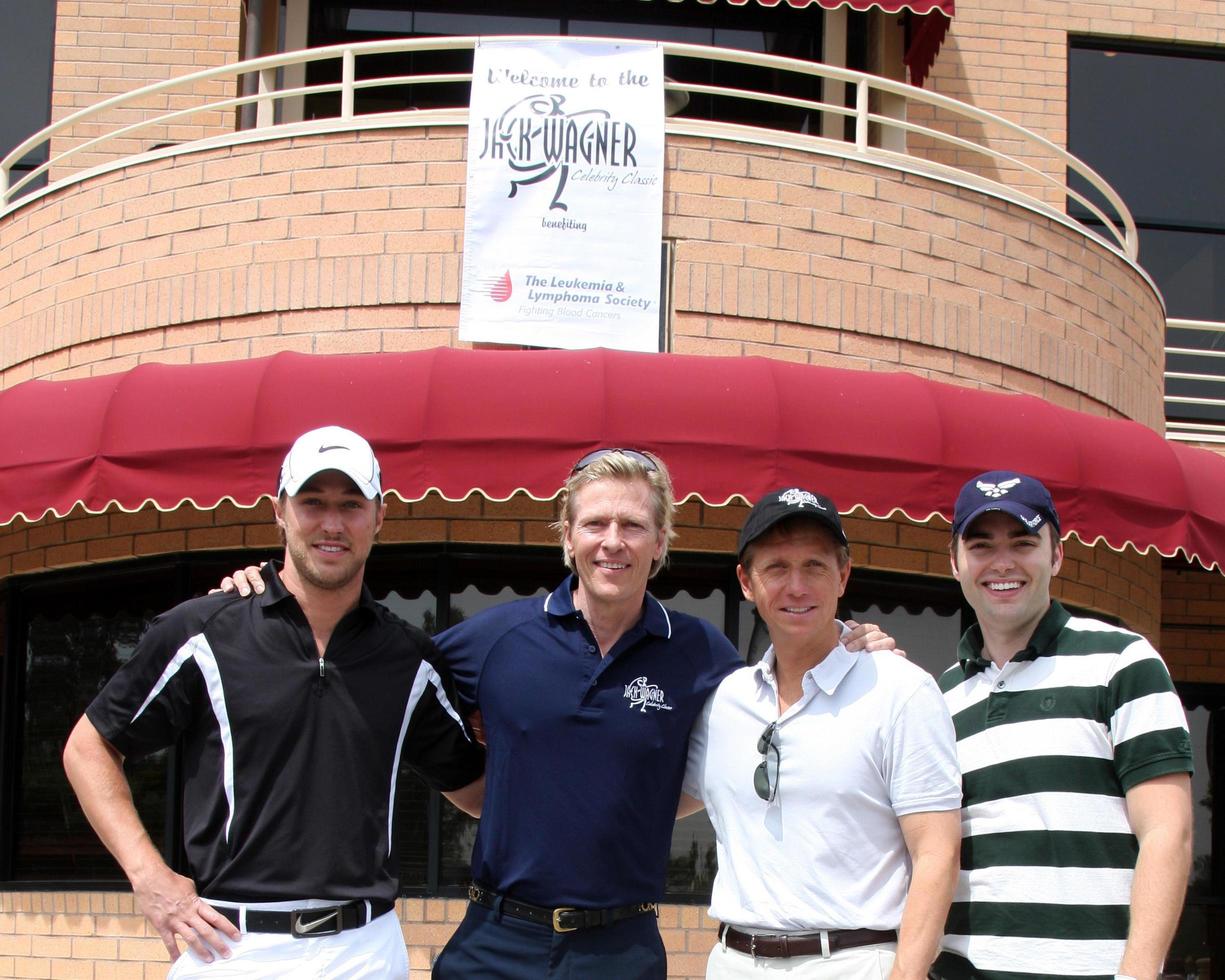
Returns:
point(996, 490)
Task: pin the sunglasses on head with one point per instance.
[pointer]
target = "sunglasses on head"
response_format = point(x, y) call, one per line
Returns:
point(639, 457)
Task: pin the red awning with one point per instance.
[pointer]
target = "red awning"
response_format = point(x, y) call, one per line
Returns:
point(495, 422)
point(924, 34)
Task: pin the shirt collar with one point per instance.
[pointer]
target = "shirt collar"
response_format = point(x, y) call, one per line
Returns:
point(826, 675)
point(1041, 643)
point(655, 619)
point(275, 592)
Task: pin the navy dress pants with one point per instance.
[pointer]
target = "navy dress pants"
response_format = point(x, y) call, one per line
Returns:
point(490, 945)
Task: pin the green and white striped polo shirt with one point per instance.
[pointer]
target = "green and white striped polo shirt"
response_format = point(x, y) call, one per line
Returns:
point(1048, 746)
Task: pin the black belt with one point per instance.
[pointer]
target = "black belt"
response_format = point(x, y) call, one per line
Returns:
point(803, 944)
point(565, 919)
point(327, 920)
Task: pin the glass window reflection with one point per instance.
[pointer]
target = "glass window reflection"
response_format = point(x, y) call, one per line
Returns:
point(68, 660)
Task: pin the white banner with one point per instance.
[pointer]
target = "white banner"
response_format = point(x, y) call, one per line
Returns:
point(564, 212)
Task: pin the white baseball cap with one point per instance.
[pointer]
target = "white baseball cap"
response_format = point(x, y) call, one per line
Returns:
point(331, 448)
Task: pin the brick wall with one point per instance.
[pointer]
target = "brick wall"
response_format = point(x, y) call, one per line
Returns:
point(101, 936)
point(106, 47)
point(1193, 622)
point(1122, 584)
point(789, 254)
point(352, 242)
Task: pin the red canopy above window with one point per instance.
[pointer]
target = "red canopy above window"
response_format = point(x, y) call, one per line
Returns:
point(925, 32)
point(496, 422)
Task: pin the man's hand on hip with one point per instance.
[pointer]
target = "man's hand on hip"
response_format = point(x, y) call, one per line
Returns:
point(170, 903)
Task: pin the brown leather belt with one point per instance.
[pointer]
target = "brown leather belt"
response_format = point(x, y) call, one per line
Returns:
point(802, 944)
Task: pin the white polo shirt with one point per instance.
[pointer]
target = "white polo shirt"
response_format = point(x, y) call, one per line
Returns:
point(870, 740)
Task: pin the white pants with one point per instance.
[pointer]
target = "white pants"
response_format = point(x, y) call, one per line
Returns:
point(374, 952)
point(859, 963)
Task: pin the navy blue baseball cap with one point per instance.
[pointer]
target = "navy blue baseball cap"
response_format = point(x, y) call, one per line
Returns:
point(1022, 496)
point(781, 504)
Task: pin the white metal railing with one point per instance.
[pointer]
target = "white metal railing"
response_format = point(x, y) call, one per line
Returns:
point(1210, 384)
point(1033, 167)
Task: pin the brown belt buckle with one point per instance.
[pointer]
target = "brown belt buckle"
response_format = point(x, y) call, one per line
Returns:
point(557, 926)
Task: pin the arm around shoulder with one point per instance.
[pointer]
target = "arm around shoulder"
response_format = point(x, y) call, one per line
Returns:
point(468, 799)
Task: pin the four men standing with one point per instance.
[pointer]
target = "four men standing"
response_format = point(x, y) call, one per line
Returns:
point(840, 861)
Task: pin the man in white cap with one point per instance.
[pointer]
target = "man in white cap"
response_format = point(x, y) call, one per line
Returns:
point(296, 711)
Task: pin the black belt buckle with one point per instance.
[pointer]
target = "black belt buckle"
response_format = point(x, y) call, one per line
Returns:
point(308, 923)
point(557, 923)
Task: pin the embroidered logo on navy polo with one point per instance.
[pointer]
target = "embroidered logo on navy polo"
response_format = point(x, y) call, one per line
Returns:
point(997, 490)
point(642, 695)
point(798, 498)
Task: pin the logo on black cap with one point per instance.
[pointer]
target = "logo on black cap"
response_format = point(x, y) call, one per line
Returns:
point(798, 498)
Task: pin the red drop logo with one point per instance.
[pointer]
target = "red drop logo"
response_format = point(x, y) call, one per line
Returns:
point(500, 291)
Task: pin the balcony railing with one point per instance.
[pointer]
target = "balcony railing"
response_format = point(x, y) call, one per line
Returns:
point(1195, 396)
point(884, 126)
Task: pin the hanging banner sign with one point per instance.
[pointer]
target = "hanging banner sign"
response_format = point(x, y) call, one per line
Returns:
point(564, 211)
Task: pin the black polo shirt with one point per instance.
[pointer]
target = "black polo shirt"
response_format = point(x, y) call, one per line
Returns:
point(290, 760)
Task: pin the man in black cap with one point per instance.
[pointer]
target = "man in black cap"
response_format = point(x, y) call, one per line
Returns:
point(1075, 758)
point(830, 777)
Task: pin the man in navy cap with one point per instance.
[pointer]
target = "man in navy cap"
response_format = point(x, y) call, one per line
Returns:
point(830, 777)
point(1075, 760)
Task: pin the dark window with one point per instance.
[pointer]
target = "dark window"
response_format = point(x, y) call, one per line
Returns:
point(780, 30)
point(26, 44)
point(1202, 919)
point(1147, 119)
point(77, 628)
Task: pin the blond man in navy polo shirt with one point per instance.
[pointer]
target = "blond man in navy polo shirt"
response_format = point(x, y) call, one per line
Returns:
point(830, 777)
point(587, 697)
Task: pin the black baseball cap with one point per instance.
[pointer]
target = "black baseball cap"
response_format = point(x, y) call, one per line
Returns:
point(1016, 494)
point(778, 505)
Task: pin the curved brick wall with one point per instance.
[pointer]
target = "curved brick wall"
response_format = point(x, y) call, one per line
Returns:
point(351, 242)
point(1121, 584)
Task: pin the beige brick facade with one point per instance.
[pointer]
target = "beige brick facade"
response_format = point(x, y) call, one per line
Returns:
point(351, 242)
point(241, 251)
point(107, 47)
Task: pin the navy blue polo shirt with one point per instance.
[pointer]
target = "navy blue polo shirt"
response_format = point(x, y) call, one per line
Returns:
point(585, 753)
